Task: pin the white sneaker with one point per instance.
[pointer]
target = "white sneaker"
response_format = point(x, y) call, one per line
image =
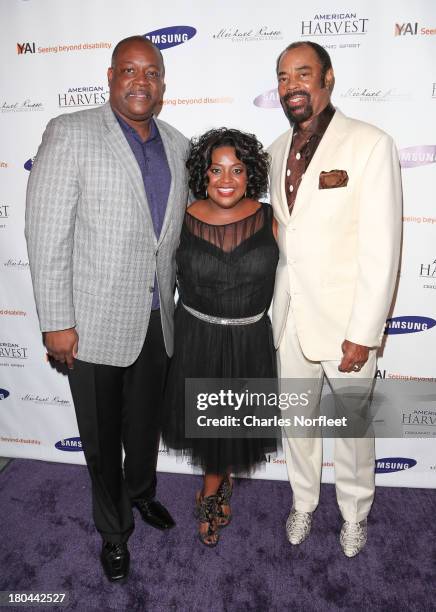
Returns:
point(353, 537)
point(298, 526)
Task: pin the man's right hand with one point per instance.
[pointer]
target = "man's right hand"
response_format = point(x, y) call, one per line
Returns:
point(62, 345)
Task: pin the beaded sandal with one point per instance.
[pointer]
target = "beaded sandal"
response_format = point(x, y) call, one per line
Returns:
point(206, 510)
point(224, 494)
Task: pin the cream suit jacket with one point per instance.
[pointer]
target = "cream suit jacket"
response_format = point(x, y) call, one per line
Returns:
point(339, 249)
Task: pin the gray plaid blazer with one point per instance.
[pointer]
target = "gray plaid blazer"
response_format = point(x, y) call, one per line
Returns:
point(92, 248)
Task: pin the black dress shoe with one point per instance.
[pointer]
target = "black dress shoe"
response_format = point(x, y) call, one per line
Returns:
point(155, 514)
point(115, 559)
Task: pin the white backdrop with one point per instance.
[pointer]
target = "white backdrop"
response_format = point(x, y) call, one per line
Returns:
point(54, 59)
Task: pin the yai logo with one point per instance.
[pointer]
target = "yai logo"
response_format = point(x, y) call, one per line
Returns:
point(401, 29)
point(26, 47)
point(269, 99)
point(408, 325)
point(393, 464)
point(29, 163)
point(69, 444)
point(411, 27)
point(411, 157)
point(171, 37)
point(4, 394)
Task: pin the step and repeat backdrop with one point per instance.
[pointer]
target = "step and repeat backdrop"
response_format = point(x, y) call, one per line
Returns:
point(220, 70)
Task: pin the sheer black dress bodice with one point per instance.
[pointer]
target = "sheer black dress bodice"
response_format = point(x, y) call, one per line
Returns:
point(224, 271)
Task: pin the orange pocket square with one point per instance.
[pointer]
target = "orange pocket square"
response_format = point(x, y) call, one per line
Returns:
point(333, 179)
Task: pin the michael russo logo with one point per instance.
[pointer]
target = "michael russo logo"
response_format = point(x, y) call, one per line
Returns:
point(238, 34)
point(94, 95)
point(70, 445)
point(393, 464)
point(4, 393)
point(269, 99)
point(408, 325)
point(375, 94)
point(171, 37)
point(49, 400)
point(335, 24)
point(21, 106)
point(423, 155)
point(427, 272)
point(16, 264)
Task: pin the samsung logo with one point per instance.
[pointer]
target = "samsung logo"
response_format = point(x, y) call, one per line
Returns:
point(69, 444)
point(408, 325)
point(170, 37)
point(411, 157)
point(269, 99)
point(4, 394)
point(393, 464)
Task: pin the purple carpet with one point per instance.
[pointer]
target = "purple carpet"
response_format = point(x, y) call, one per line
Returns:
point(48, 543)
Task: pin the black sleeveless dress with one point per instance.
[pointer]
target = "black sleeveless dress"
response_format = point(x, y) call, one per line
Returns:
point(225, 271)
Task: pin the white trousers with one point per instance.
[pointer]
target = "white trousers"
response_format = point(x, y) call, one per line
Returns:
point(354, 458)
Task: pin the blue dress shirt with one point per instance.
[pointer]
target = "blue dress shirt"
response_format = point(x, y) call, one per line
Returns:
point(153, 163)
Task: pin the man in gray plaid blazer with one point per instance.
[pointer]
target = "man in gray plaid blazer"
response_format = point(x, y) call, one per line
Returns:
point(105, 204)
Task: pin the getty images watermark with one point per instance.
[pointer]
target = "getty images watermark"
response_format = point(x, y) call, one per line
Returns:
point(229, 399)
point(267, 408)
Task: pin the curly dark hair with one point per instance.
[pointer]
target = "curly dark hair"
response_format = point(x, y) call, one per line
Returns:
point(247, 149)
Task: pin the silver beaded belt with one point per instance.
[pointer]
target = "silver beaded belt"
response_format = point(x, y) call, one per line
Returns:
point(221, 320)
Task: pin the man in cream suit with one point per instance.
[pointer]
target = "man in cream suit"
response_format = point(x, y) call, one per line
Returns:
point(105, 204)
point(336, 193)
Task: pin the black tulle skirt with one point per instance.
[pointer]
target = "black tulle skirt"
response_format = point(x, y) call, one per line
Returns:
point(205, 350)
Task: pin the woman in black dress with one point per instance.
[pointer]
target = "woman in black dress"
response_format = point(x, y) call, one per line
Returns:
point(226, 264)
